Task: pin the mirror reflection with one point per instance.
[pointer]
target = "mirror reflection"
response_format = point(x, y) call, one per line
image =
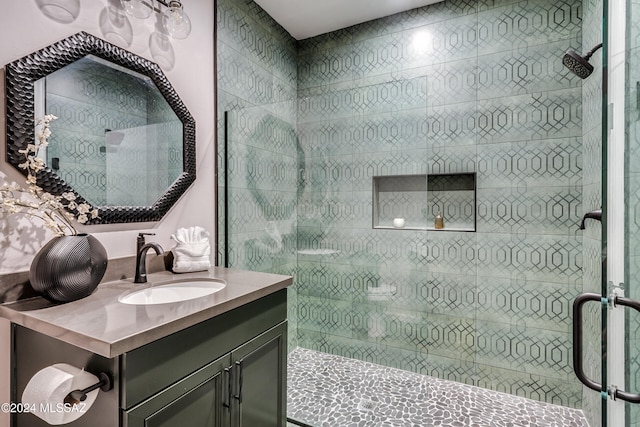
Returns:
point(124, 141)
point(117, 141)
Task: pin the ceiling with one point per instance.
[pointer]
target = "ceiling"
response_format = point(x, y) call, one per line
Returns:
point(308, 18)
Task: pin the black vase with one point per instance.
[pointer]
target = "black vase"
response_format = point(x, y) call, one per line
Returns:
point(68, 268)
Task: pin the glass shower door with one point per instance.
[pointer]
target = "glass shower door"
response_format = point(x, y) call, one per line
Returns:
point(258, 191)
point(619, 297)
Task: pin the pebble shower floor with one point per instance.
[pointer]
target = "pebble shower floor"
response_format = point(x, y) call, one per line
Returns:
point(332, 391)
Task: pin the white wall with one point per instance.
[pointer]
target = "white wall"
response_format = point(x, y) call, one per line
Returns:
point(5, 354)
point(24, 28)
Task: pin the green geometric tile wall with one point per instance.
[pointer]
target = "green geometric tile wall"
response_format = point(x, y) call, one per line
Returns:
point(484, 93)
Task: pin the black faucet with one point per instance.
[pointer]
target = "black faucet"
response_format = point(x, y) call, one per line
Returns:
point(595, 214)
point(141, 256)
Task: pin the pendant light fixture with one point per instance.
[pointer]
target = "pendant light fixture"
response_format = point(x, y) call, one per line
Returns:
point(175, 20)
point(140, 9)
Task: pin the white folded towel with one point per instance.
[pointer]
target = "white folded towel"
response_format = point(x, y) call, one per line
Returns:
point(192, 250)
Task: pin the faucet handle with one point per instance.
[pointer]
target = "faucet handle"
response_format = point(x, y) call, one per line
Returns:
point(141, 236)
point(140, 240)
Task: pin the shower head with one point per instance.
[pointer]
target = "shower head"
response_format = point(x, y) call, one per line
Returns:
point(579, 65)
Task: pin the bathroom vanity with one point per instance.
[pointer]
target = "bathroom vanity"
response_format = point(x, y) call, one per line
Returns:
point(215, 360)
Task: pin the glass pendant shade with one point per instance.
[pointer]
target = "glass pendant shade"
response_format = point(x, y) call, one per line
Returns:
point(138, 8)
point(176, 21)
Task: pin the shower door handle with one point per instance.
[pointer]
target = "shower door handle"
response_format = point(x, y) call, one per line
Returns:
point(578, 304)
point(578, 368)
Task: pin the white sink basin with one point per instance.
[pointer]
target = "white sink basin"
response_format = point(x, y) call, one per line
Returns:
point(174, 291)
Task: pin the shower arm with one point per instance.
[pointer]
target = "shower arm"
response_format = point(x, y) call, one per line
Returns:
point(592, 51)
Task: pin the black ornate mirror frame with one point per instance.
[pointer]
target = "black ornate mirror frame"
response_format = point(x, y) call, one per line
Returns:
point(20, 78)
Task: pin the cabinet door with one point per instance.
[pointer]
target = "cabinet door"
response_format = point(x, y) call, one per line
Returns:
point(260, 377)
point(196, 400)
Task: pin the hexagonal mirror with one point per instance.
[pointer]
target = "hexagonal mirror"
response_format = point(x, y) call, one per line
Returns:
point(123, 141)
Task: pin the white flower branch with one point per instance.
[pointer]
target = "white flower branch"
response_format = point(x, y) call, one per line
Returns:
point(57, 212)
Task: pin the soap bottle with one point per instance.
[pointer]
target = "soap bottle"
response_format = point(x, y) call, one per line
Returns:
point(439, 222)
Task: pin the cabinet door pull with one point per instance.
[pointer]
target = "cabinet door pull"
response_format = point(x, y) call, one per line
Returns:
point(239, 388)
point(227, 396)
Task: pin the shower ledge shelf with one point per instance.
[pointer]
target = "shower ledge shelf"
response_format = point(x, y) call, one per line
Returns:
point(385, 227)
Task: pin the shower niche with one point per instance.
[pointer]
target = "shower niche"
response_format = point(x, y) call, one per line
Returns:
point(440, 202)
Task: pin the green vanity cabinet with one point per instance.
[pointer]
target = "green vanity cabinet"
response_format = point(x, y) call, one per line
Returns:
point(219, 362)
point(193, 401)
point(243, 388)
point(259, 380)
point(229, 371)
point(226, 371)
